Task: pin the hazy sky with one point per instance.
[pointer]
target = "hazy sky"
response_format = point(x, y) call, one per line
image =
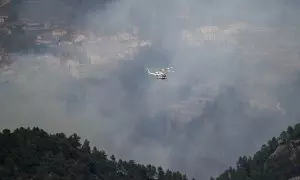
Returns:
point(125, 112)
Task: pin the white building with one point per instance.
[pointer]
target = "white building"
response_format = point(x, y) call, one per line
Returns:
point(209, 32)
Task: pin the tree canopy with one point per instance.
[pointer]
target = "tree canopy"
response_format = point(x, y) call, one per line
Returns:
point(278, 159)
point(34, 154)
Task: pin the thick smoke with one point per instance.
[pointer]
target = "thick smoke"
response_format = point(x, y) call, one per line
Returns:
point(251, 97)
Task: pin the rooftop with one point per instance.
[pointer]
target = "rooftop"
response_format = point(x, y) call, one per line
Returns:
point(4, 2)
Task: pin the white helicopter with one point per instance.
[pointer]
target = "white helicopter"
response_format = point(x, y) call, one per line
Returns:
point(161, 73)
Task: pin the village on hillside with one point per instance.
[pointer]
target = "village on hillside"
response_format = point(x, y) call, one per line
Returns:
point(77, 50)
point(66, 42)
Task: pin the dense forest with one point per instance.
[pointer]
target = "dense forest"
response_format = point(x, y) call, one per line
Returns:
point(278, 159)
point(34, 154)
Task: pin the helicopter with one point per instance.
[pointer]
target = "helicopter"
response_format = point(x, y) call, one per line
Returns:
point(160, 73)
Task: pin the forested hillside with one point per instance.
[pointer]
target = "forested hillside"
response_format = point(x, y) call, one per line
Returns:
point(278, 159)
point(34, 154)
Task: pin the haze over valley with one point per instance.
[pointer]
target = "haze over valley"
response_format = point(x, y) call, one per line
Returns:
point(79, 66)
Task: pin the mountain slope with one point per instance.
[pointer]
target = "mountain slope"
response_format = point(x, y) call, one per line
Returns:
point(35, 154)
point(278, 159)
